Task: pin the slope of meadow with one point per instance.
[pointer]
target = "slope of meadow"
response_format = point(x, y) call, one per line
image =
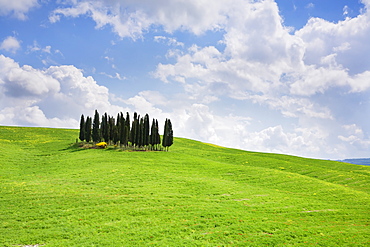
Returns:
point(55, 194)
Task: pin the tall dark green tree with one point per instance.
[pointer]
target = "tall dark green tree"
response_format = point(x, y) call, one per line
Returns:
point(82, 128)
point(155, 138)
point(96, 128)
point(122, 130)
point(112, 129)
point(140, 133)
point(118, 119)
point(158, 137)
point(105, 128)
point(170, 134)
point(146, 130)
point(137, 131)
point(102, 127)
point(134, 130)
point(115, 135)
point(164, 140)
point(152, 134)
point(128, 127)
point(88, 129)
point(167, 135)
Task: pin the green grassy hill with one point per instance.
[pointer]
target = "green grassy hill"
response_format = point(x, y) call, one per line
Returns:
point(55, 194)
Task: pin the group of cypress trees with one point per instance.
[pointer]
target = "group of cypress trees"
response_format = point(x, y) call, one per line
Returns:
point(120, 130)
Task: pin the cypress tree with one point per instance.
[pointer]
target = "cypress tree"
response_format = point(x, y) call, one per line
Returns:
point(164, 141)
point(102, 127)
point(105, 128)
point(152, 137)
point(146, 130)
point(127, 127)
point(96, 127)
point(118, 126)
point(155, 138)
point(122, 131)
point(158, 137)
point(137, 131)
point(133, 130)
point(128, 120)
point(88, 129)
point(118, 119)
point(168, 134)
point(115, 135)
point(111, 124)
point(82, 128)
point(140, 136)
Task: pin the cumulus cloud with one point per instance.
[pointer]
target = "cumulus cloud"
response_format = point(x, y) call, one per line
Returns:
point(24, 82)
point(10, 44)
point(320, 56)
point(132, 18)
point(264, 63)
point(55, 96)
point(17, 8)
point(354, 136)
point(347, 40)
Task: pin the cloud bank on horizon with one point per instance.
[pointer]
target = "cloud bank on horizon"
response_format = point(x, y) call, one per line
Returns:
point(240, 74)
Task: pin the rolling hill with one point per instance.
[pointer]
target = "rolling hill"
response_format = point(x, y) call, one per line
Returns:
point(54, 193)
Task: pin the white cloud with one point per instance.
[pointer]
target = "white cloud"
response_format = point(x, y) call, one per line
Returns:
point(304, 141)
point(45, 54)
point(17, 8)
point(293, 106)
point(55, 96)
point(168, 41)
point(19, 82)
point(35, 47)
point(354, 135)
point(310, 6)
point(316, 79)
point(141, 104)
point(47, 49)
point(10, 44)
point(360, 82)
point(292, 73)
point(116, 76)
point(323, 38)
point(154, 97)
point(342, 47)
point(345, 10)
point(132, 18)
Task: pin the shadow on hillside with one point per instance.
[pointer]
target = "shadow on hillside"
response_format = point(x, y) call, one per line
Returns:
point(75, 147)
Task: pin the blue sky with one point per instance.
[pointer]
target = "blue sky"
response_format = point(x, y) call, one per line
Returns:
point(284, 76)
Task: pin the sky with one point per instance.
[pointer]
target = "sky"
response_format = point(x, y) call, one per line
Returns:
point(284, 76)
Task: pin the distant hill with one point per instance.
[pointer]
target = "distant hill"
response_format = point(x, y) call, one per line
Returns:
point(364, 162)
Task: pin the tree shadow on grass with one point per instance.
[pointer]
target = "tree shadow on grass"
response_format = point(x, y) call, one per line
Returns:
point(79, 146)
point(74, 147)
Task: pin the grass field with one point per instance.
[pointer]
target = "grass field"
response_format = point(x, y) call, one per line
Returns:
point(197, 194)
